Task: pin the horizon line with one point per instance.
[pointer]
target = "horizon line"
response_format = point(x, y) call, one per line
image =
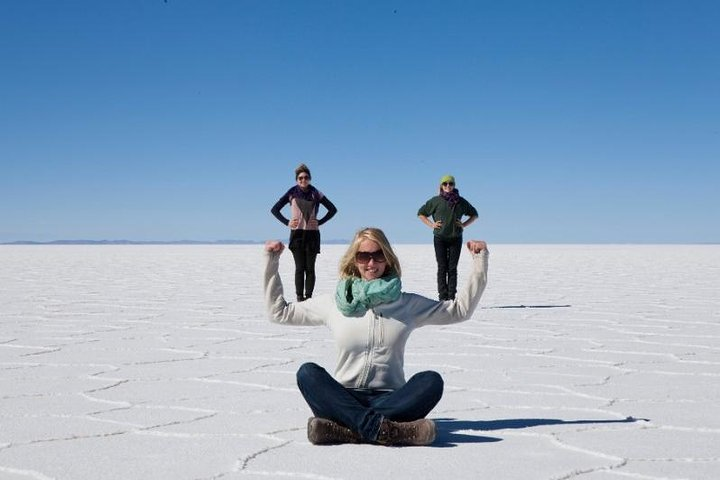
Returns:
point(325, 242)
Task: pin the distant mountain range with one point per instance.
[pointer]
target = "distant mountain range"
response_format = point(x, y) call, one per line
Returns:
point(152, 242)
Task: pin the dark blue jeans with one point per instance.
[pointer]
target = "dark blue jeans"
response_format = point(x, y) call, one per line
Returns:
point(447, 254)
point(363, 410)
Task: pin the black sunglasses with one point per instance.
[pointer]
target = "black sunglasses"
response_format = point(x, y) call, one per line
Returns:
point(448, 184)
point(365, 257)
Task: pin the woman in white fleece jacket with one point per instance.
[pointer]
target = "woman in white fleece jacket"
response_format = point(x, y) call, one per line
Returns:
point(370, 318)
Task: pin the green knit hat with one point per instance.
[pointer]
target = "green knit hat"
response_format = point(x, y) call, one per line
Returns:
point(447, 179)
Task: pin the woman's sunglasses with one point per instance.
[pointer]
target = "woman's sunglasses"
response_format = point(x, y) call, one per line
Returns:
point(365, 257)
point(448, 184)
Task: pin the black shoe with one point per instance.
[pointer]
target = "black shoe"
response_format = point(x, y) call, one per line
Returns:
point(300, 298)
point(321, 431)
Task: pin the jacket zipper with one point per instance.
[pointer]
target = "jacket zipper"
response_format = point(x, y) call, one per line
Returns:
point(372, 327)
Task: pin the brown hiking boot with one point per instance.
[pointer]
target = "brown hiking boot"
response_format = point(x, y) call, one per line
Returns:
point(418, 432)
point(321, 431)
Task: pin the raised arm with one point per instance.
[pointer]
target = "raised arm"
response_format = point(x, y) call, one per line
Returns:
point(278, 310)
point(432, 312)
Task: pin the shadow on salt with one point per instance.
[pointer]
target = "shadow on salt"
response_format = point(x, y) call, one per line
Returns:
point(448, 429)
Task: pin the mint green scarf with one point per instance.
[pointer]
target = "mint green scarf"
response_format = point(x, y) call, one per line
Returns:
point(355, 296)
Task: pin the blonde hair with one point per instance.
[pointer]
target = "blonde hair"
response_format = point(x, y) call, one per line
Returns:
point(348, 267)
point(302, 168)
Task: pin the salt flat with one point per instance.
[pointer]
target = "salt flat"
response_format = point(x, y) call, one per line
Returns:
point(157, 362)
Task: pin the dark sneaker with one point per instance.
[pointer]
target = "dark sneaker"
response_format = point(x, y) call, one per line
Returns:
point(418, 432)
point(321, 431)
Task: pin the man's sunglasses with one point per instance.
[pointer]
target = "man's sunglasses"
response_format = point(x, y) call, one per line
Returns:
point(365, 257)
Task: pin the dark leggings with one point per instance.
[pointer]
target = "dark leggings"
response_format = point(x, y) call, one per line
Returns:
point(304, 272)
point(447, 254)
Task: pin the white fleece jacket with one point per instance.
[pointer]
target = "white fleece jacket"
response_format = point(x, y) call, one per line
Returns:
point(371, 348)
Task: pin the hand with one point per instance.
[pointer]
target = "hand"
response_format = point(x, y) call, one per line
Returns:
point(312, 224)
point(294, 223)
point(437, 224)
point(476, 246)
point(274, 246)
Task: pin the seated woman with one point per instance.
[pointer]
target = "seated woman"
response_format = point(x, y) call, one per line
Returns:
point(369, 400)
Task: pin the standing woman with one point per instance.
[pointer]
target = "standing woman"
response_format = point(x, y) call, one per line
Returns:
point(305, 201)
point(447, 210)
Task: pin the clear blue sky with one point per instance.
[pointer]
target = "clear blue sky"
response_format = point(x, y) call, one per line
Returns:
point(569, 121)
